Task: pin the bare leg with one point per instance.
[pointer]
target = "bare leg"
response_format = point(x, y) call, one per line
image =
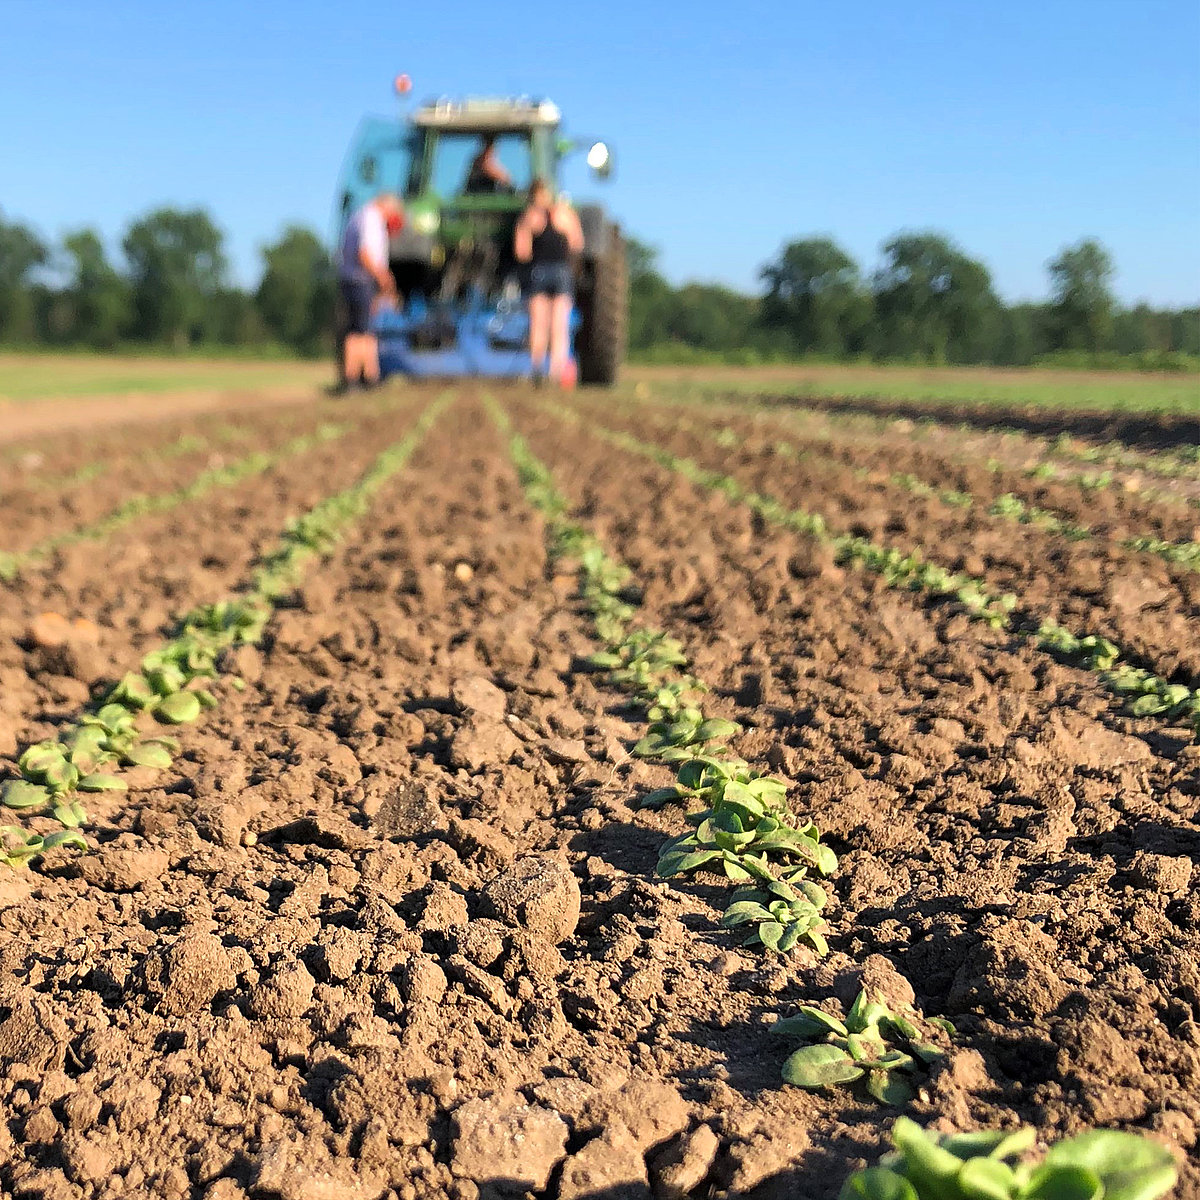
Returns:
point(539, 331)
point(371, 358)
point(355, 358)
point(560, 332)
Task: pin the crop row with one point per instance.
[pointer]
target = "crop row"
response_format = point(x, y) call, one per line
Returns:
point(1008, 507)
point(1146, 693)
point(169, 685)
point(51, 478)
point(141, 505)
point(1182, 463)
point(1044, 469)
point(745, 831)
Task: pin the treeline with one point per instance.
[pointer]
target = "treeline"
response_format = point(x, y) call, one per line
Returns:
point(927, 302)
point(171, 289)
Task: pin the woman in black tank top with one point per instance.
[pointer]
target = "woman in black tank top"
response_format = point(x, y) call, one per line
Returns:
point(548, 234)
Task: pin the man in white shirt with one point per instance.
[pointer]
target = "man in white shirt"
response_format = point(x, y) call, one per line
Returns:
point(363, 275)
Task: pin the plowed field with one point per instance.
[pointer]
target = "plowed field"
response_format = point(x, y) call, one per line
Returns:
point(389, 919)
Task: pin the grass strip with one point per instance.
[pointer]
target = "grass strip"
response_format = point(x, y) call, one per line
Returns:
point(1146, 693)
point(12, 562)
point(57, 773)
point(744, 828)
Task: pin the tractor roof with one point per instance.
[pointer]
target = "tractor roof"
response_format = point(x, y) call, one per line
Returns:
point(479, 115)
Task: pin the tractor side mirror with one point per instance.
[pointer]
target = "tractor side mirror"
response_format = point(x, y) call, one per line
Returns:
point(599, 158)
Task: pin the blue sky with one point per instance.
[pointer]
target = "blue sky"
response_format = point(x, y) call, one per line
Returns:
point(1016, 127)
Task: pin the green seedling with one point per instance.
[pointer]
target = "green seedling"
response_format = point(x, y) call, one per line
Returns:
point(55, 773)
point(1101, 1164)
point(782, 916)
point(997, 610)
point(886, 1051)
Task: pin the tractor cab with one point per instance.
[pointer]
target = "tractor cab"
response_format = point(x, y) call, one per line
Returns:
point(460, 286)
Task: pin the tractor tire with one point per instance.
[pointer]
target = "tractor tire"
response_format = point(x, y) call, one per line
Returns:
point(605, 311)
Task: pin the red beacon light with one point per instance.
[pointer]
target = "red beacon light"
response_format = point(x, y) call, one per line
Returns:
point(402, 84)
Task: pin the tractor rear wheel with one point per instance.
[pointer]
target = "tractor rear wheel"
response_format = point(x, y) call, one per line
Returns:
point(605, 312)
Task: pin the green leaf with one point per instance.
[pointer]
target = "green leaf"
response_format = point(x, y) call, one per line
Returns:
point(820, 1066)
point(717, 729)
point(62, 776)
point(931, 1169)
point(1062, 1183)
point(890, 1088)
point(70, 815)
point(1129, 1166)
point(39, 759)
point(877, 1183)
point(147, 754)
point(178, 708)
point(809, 1022)
point(101, 783)
point(65, 837)
point(770, 933)
point(864, 1014)
point(991, 1143)
point(20, 793)
point(987, 1179)
point(658, 798)
point(677, 862)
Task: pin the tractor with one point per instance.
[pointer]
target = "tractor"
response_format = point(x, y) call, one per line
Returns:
point(461, 311)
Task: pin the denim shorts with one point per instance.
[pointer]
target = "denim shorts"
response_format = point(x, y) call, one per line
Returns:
point(357, 295)
point(551, 279)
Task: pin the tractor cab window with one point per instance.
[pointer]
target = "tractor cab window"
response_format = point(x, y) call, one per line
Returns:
point(455, 154)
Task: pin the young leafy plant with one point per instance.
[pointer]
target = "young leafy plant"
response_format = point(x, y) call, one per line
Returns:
point(54, 773)
point(1101, 1164)
point(886, 1051)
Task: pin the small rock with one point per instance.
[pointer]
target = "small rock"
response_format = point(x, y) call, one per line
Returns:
point(287, 993)
point(409, 811)
point(474, 694)
point(651, 1110)
point(444, 908)
point(187, 976)
point(480, 942)
point(306, 1171)
point(537, 893)
point(483, 742)
point(682, 1166)
point(566, 750)
point(1161, 872)
point(502, 1141)
point(464, 572)
point(86, 1161)
point(121, 870)
point(220, 823)
point(422, 980)
point(481, 842)
point(339, 952)
point(610, 1165)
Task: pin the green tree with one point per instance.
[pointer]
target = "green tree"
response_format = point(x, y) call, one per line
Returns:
point(100, 303)
point(296, 296)
point(177, 269)
point(20, 252)
point(649, 297)
point(1080, 279)
point(934, 303)
point(815, 294)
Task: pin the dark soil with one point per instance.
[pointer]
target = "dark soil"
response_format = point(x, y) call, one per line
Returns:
point(390, 927)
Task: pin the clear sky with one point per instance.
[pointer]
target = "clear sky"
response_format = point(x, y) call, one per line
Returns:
point(1015, 127)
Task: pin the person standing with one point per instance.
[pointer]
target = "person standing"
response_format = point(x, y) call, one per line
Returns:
point(547, 237)
point(364, 278)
